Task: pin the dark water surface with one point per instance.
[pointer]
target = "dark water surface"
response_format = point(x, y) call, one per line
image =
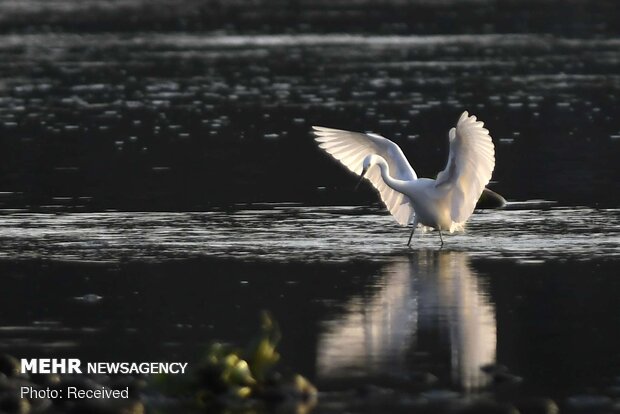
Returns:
point(186, 121)
point(159, 187)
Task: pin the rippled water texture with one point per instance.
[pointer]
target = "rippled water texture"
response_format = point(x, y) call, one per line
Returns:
point(291, 233)
point(185, 121)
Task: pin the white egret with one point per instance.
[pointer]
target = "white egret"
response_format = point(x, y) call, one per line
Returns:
point(444, 203)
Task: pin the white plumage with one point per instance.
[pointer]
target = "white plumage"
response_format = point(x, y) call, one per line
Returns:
point(470, 165)
point(445, 203)
point(350, 148)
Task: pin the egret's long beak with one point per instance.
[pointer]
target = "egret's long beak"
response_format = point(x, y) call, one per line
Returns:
point(364, 171)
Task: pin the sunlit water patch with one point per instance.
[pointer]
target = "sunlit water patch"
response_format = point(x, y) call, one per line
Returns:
point(286, 233)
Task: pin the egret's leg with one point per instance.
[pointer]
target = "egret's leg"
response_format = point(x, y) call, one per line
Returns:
point(413, 226)
point(440, 237)
point(411, 235)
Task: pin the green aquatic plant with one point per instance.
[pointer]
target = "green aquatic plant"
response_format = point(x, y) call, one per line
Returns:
point(261, 352)
point(243, 377)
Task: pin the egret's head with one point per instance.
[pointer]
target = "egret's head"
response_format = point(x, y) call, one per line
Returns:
point(368, 162)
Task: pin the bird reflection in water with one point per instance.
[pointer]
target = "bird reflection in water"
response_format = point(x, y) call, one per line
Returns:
point(430, 302)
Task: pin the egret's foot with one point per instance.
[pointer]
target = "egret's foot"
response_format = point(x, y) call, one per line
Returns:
point(441, 237)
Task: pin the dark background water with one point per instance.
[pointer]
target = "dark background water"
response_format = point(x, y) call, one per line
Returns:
point(565, 18)
point(333, 317)
point(184, 106)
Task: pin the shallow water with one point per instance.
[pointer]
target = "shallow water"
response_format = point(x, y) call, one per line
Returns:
point(530, 288)
point(303, 234)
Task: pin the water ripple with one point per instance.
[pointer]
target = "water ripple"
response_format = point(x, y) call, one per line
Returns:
point(284, 233)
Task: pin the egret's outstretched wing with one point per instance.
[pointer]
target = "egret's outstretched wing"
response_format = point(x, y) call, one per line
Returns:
point(350, 148)
point(470, 165)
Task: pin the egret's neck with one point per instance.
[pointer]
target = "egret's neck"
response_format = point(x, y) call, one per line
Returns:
point(393, 183)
